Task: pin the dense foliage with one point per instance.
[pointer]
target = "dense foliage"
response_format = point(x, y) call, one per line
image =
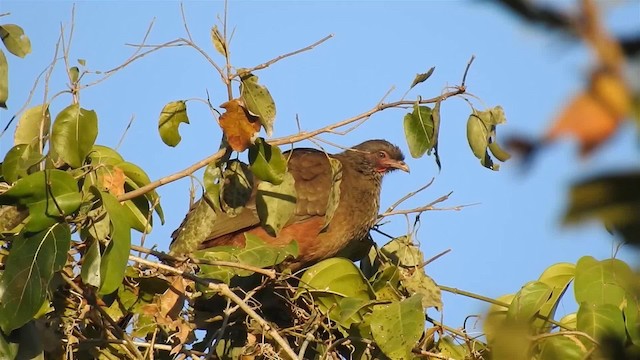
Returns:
point(73, 284)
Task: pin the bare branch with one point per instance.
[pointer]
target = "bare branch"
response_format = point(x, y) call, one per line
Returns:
point(466, 71)
point(276, 59)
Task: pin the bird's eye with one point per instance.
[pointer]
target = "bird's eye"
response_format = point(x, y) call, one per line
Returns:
point(382, 154)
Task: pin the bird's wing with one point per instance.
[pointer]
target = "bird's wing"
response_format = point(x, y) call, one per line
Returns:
point(311, 170)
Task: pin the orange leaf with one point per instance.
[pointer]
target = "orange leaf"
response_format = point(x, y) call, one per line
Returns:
point(113, 181)
point(238, 125)
point(587, 119)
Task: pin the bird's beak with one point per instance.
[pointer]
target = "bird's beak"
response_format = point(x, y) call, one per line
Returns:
point(400, 165)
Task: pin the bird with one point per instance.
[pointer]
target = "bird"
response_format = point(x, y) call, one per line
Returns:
point(363, 168)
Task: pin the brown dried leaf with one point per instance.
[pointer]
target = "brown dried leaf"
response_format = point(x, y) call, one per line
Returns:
point(172, 300)
point(238, 125)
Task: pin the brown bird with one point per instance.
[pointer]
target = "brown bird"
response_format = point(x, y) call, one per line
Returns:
point(363, 167)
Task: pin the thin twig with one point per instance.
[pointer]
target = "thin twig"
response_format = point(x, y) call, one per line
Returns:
point(466, 71)
point(225, 291)
point(495, 302)
point(566, 333)
point(126, 130)
point(276, 59)
point(409, 195)
point(434, 258)
point(281, 141)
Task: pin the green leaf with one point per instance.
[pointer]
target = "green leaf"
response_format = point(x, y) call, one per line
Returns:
point(481, 135)
point(397, 327)
point(419, 130)
point(73, 134)
point(276, 204)
point(570, 321)
point(140, 178)
point(403, 252)
point(236, 188)
point(602, 282)
point(600, 320)
point(29, 267)
point(417, 282)
point(82, 62)
point(18, 161)
point(4, 80)
point(31, 122)
point(332, 280)
point(613, 199)
point(138, 208)
point(91, 264)
point(48, 194)
point(116, 255)
point(100, 154)
point(561, 348)
point(256, 253)
point(171, 116)
point(557, 277)
point(258, 101)
point(211, 180)
point(528, 301)
point(478, 136)
point(15, 40)
point(218, 41)
point(435, 116)
point(266, 162)
point(422, 77)
point(74, 74)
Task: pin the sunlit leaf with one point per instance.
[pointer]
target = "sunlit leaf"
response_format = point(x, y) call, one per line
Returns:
point(602, 282)
point(74, 74)
point(171, 116)
point(30, 266)
point(276, 204)
point(18, 161)
point(418, 130)
point(100, 154)
point(211, 179)
point(478, 136)
point(48, 195)
point(15, 40)
point(238, 125)
point(599, 321)
point(528, 301)
point(258, 101)
point(557, 277)
point(417, 282)
point(34, 123)
point(266, 162)
point(422, 77)
point(397, 327)
point(218, 41)
point(402, 251)
point(561, 348)
point(74, 133)
point(332, 280)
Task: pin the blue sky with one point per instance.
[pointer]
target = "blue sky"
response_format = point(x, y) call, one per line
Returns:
point(513, 233)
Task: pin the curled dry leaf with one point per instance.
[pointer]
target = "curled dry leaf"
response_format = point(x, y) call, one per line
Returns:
point(113, 181)
point(238, 125)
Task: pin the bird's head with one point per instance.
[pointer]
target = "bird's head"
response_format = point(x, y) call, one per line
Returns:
point(381, 156)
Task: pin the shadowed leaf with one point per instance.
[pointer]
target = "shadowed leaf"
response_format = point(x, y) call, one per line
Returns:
point(31, 263)
point(422, 77)
point(266, 162)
